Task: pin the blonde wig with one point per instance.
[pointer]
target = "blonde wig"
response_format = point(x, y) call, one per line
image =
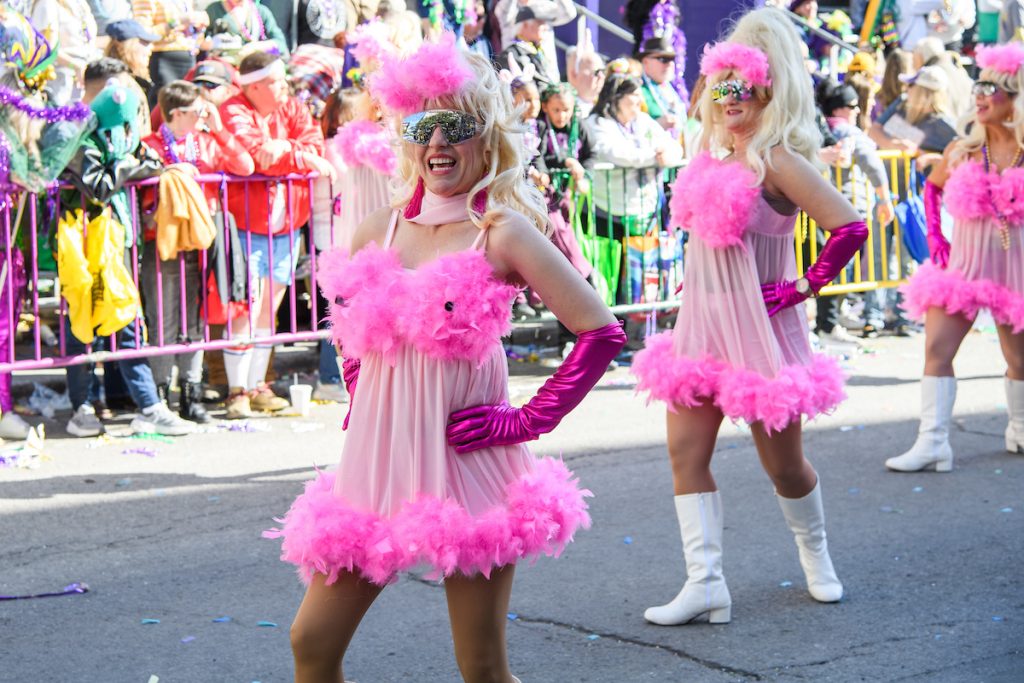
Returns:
point(788, 115)
point(489, 101)
point(972, 133)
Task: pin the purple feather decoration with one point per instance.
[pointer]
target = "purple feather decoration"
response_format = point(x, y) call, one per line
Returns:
point(73, 112)
point(664, 21)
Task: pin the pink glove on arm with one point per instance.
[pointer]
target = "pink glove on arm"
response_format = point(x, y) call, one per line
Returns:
point(350, 373)
point(938, 246)
point(498, 425)
point(843, 242)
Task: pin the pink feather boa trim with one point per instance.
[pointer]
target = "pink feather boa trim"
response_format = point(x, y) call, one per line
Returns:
point(746, 60)
point(1006, 58)
point(951, 291)
point(434, 70)
point(323, 534)
point(739, 393)
point(705, 179)
point(968, 189)
point(365, 143)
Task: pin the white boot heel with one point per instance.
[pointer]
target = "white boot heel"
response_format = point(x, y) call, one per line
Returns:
point(931, 449)
point(720, 616)
point(806, 519)
point(1015, 409)
point(704, 593)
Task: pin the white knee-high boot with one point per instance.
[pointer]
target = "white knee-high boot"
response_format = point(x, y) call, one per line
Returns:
point(1015, 408)
point(932, 446)
point(806, 519)
point(700, 524)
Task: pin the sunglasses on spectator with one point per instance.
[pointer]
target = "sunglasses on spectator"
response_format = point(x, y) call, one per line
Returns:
point(664, 59)
point(986, 88)
point(740, 90)
point(209, 85)
point(456, 126)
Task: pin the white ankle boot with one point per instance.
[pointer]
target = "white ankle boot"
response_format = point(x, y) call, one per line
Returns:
point(1015, 408)
point(705, 592)
point(932, 446)
point(806, 519)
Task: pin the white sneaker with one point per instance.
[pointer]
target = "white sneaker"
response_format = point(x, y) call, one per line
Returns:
point(839, 336)
point(12, 426)
point(160, 420)
point(84, 422)
point(330, 392)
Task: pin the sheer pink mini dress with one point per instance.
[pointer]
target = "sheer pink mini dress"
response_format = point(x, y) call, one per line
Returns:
point(983, 272)
point(724, 348)
point(429, 343)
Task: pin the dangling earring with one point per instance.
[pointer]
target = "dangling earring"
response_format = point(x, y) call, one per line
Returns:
point(415, 205)
point(480, 202)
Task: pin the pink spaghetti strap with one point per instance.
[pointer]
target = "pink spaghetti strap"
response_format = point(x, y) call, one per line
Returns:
point(391, 229)
point(481, 240)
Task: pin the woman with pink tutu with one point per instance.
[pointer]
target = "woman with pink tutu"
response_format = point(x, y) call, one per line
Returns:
point(434, 473)
point(740, 347)
point(982, 181)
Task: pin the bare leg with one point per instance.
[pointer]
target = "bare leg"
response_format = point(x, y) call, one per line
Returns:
point(691, 443)
point(1013, 351)
point(782, 456)
point(324, 626)
point(478, 609)
point(943, 334)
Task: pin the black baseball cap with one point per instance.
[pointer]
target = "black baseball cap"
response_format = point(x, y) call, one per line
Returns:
point(211, 71)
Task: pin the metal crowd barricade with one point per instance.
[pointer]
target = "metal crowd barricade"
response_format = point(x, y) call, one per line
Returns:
point(23, 209)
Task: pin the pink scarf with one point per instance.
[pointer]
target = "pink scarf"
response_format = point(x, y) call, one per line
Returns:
point(442, 210)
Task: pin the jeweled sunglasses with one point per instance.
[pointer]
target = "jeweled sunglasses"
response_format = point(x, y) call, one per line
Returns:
point(456, 126)
point(740, 90)
point(987, 89)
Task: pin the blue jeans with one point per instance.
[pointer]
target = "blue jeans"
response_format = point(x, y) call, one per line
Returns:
point(878, 301)
point(135, 372)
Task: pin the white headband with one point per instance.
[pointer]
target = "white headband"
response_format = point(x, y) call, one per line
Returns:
point(274, 69)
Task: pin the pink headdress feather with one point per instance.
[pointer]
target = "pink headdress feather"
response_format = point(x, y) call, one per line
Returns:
point(1006, 59)
point(371, 41)
point(434, 70)
point(750, 62)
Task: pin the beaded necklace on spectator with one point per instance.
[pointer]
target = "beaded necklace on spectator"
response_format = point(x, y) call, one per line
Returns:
point(256, 27)
point(191, 148)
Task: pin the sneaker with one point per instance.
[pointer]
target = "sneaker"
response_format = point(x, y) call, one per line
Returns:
point(334, 393)
point(160, 420)
point(102, 411)
point(869, 331)
point(237, 404)
point(263, 399)
point(84, 422)
point(12, 426)
point(838, 336)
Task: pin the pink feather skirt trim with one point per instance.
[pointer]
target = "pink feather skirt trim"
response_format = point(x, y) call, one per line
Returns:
point(951, 291)
point(323, 534)
point(741, 394)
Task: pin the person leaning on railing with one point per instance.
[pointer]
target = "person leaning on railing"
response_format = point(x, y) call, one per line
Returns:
point(283, 139)
point(195, 140)
point(626, 137)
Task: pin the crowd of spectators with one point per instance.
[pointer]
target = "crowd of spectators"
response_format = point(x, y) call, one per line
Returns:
point(270, 88)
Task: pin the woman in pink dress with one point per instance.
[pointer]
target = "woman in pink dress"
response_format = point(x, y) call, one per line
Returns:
point(434, 473)
point(740, 346)
point(983, 183)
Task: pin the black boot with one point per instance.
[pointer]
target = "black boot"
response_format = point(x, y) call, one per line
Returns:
point(192, 404)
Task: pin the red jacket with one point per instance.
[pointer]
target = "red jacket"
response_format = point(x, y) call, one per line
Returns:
point(218, 152)
point(292, 123)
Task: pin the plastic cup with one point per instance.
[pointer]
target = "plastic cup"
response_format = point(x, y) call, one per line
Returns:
point(302, 398)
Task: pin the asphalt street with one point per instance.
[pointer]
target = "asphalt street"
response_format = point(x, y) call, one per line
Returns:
point(932, 563)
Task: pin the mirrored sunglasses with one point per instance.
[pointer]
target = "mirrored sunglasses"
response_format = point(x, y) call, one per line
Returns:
point(984, 88)
point(740, 90)
point(456, 126)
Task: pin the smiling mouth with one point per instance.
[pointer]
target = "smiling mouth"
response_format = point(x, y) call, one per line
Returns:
point(440, 164)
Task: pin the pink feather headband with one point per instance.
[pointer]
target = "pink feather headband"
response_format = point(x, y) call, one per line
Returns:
point(1006, 59)
point(434, 70)
point(747, 61)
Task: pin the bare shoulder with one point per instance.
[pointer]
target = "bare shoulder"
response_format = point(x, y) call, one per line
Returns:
point(374, 228)
point(784, 162)
point(512, 229)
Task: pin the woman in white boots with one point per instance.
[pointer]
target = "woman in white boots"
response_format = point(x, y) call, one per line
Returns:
point(981, 179)
point(740, 347)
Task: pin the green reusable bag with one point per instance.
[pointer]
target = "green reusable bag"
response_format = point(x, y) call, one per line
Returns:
point(603, 253)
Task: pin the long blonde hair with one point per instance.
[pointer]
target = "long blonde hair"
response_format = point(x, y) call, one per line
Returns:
point(896, 64)
point(490, 102)
point(124, 51)
point(788, 115)
point(923, 102)
point(972, 133)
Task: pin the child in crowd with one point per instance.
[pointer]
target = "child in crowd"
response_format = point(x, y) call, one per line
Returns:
point(192, 135)
point(526, 97)
point(361, 151)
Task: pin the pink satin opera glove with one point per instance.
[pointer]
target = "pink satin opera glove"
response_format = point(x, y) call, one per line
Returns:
point(938, 245)
point(498, 425)
point(350, 374)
